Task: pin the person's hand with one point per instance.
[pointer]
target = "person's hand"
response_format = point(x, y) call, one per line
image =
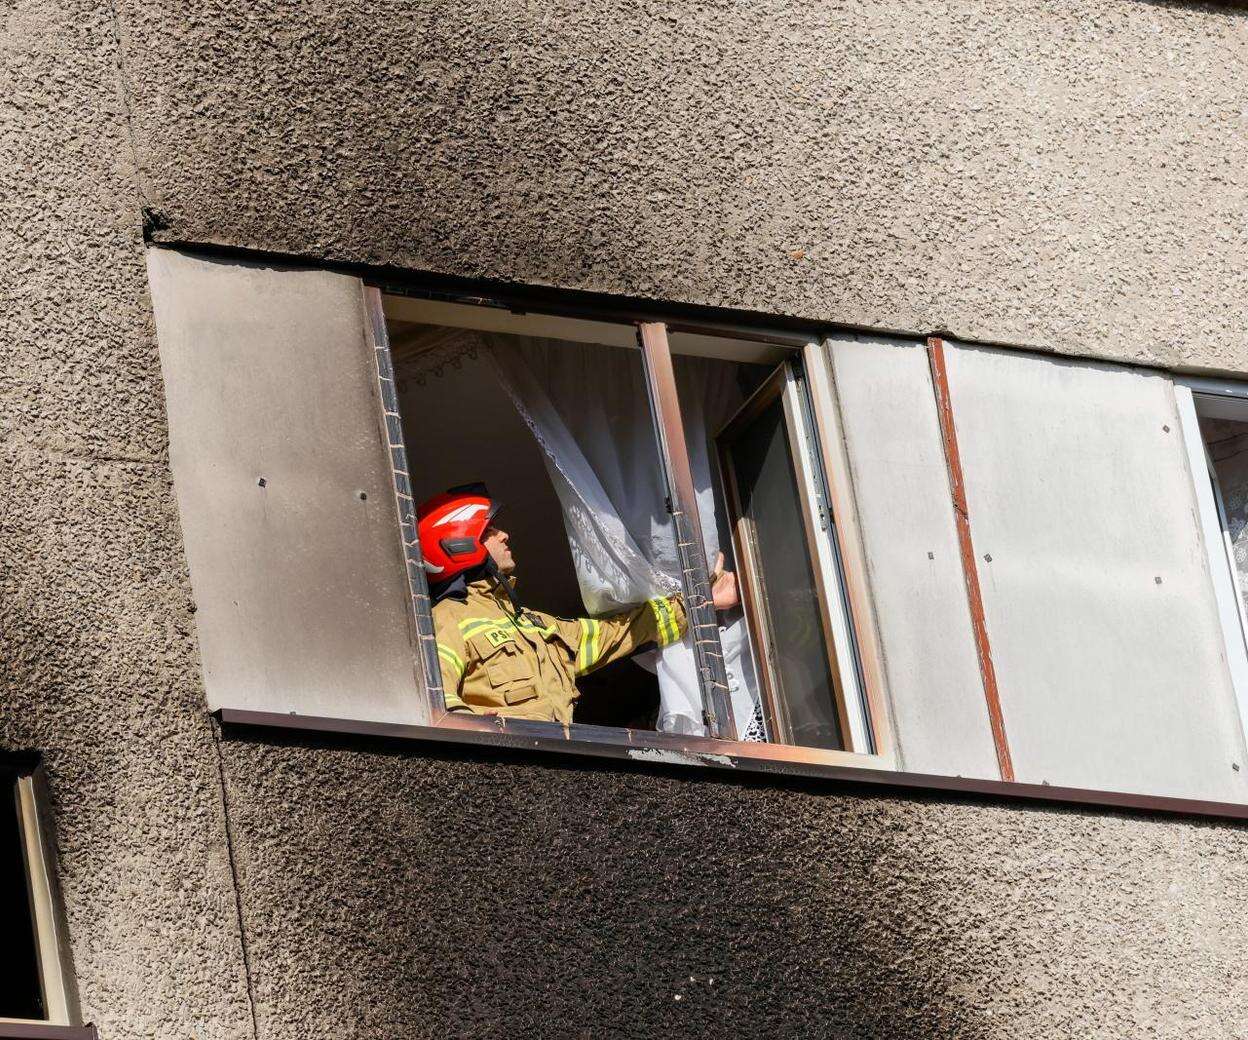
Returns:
point(723, 586)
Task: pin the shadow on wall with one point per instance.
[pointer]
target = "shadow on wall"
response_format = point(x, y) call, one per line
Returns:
point(444, 896)
point(1229, 7)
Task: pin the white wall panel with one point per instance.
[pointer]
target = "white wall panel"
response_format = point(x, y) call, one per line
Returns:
point(299, 581)
point(902, 490)
point(1097, 594)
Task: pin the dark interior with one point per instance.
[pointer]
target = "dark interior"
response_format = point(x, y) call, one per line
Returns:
point(461, 426)
point(20, 993)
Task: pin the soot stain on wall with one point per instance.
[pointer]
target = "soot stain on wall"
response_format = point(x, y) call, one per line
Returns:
point(444, 895)
point(1065, 175)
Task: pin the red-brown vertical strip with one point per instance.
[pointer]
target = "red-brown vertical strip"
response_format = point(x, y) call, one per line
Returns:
point(970, 568)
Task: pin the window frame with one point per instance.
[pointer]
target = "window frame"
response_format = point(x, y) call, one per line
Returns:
point(652, 337)
point(50, 935)
point(790, 387)
point(1190, 393)
point(664, 400)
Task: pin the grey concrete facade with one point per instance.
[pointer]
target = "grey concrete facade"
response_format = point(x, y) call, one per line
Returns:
point(1064, 175)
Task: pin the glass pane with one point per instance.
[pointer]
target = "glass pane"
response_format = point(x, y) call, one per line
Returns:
point(20, 996)
point(771, 504)
point(1227, 441)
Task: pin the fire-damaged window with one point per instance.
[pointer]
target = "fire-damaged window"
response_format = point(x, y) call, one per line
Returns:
point(33, 986)
point(622, 524)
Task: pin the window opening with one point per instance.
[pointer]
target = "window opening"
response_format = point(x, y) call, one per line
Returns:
point(33, 986)
point(1224, 433)
point(1226, 452)
point(21, 990)
point(584, 437)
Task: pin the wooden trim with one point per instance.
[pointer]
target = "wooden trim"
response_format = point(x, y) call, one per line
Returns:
point(970, 567)
point(420, 613)
point(844, 509)
point(708, 654)
point(754, 405)
point(724, 758)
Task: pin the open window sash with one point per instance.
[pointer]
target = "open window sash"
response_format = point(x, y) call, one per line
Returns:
point(790, 569)
point(683, 506)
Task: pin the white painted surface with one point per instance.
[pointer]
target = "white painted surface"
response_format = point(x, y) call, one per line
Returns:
point(1099, 602)
point(897, 460)
point(300, 584)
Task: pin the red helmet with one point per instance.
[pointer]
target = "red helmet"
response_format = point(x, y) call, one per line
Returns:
point(450, 527)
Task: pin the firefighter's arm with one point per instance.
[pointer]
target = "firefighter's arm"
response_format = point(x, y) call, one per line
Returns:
point(602, 640)
point(452, 655)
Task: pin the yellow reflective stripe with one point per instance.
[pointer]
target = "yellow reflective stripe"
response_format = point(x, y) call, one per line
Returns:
point(470, 627)
point(656, 609)
point(451, 658)
point(590, 643)
point(474, 626)
point(582, 652)
point(669, 631)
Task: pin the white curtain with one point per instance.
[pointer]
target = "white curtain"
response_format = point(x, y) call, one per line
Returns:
point(588, 408)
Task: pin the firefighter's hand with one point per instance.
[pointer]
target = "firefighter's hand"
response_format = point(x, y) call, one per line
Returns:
point(723, 586)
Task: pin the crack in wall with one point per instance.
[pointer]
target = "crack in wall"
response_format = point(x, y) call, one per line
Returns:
point(125, 94)
point(234, 883)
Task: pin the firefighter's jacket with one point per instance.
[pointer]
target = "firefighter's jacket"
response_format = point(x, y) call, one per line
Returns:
point(526, 667)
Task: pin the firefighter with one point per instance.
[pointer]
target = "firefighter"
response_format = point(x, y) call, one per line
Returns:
point(499, 658)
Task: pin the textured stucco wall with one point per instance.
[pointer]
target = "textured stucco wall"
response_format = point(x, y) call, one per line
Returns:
point(1069, 174)
point(97, 658)
point(512, 897)
point(937, 166)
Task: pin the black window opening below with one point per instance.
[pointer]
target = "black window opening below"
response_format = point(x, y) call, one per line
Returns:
point(21, 991)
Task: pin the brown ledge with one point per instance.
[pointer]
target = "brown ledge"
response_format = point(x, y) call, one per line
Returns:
point(645, 747)
point(45, 1031)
